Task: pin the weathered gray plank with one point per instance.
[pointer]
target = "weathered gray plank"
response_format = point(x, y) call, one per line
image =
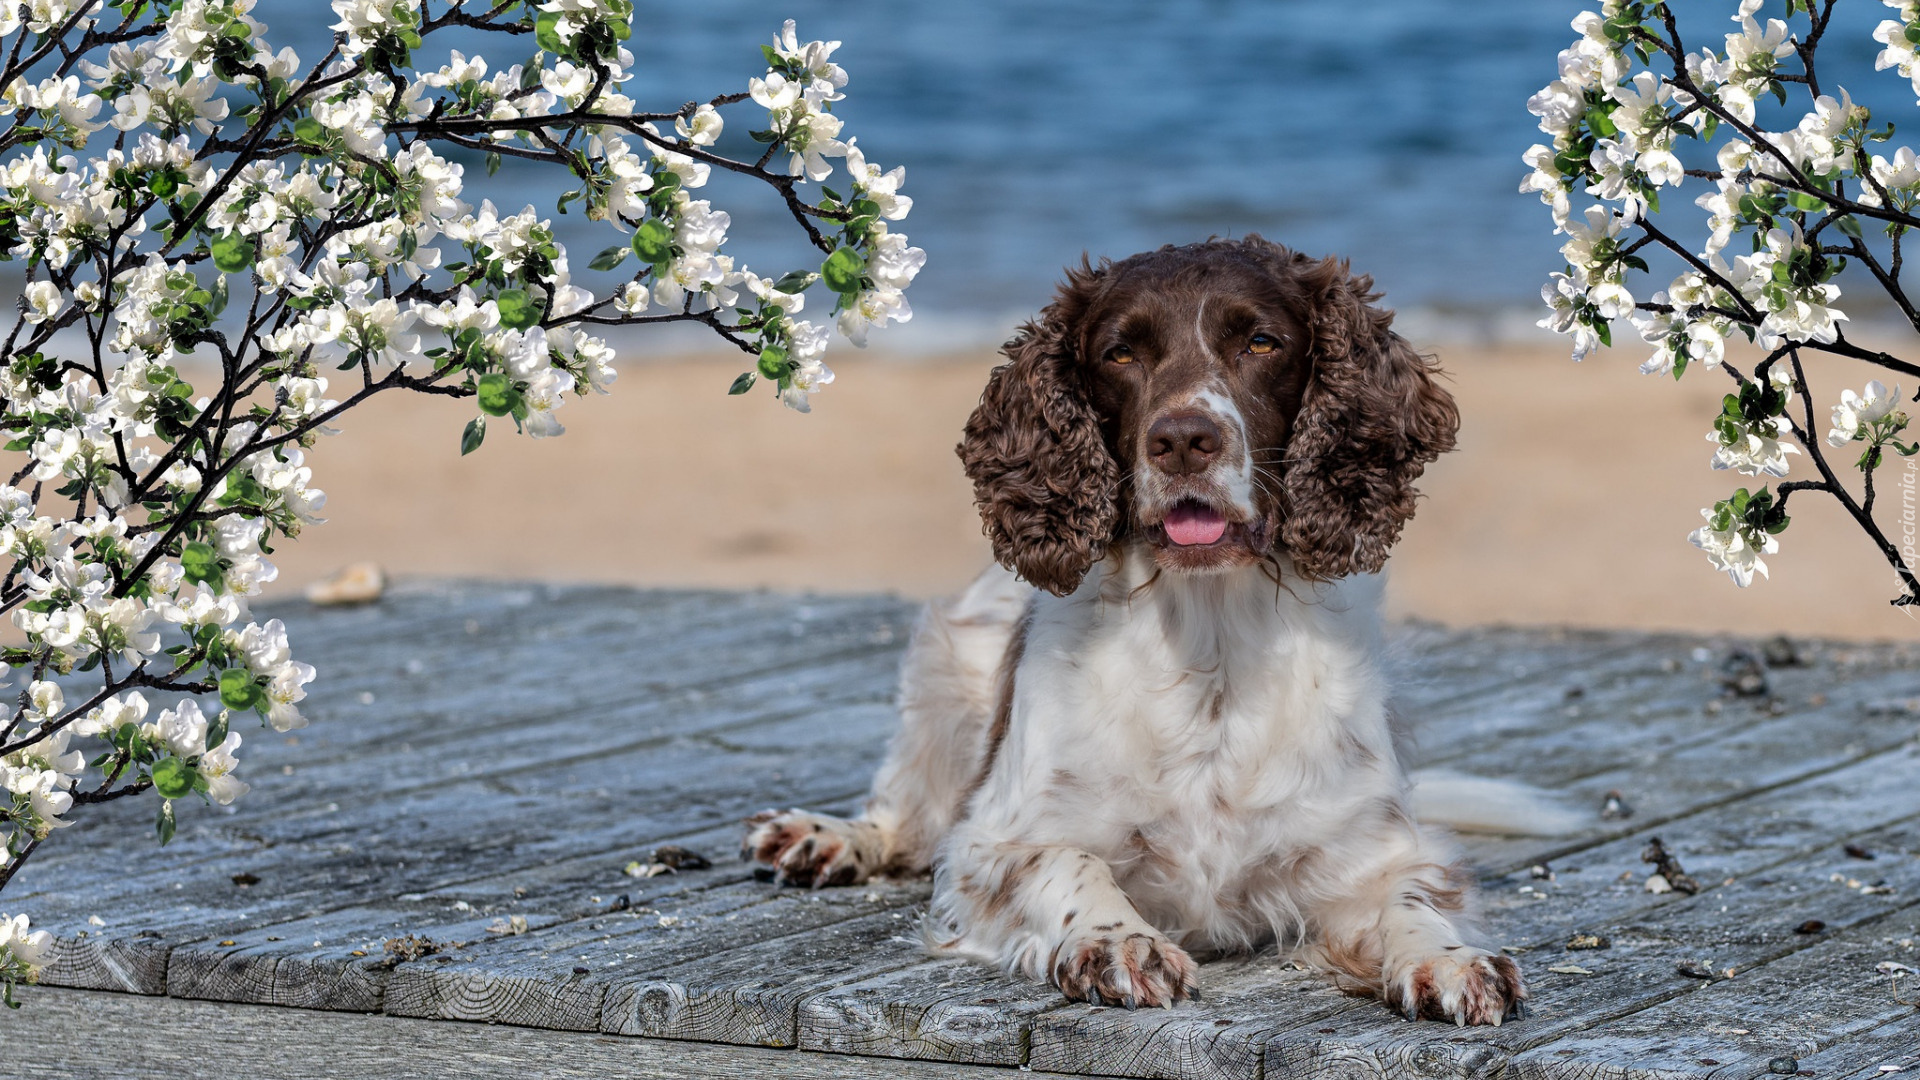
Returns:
point(437, 836)
point(335, 960)
point(1748, 926)
point(688, 774)
point(1224, 1036)
point(1670, 784)
point(1794, 1008)
point(1886, 1052)
point(512, 716)
point(1645, 699)
point(751, 994)
point(532, 979)
point(132, 964)
point(80, 1035)
point(1772, 832)
point(945, 1010)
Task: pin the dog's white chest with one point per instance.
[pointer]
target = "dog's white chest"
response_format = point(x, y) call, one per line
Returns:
point(1203, 765)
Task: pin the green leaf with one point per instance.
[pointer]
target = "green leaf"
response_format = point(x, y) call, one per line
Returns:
point(653, 241)
point(217, 731)
point(493, 162)
point(609, 258)
point(309, 130)
point(742, 384)
point(238, 690)
point(1848, 225)
point(517, 309)
point(497, 395)
point(164, 826)
point(794, 281)
point(199, 562)
point(842, 271)
point(232, 253)
point(471, 438)
point(172, 778)
point(546, 31)
point(773, 362)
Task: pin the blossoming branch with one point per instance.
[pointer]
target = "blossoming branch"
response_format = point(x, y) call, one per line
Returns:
point(174, 187)
point(1802, 198)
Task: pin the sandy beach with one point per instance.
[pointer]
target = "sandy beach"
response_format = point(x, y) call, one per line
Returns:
point(1568, 502)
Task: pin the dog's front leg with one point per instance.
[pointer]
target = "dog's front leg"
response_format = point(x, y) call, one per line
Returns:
point(1404, 933)
point(1053, 913)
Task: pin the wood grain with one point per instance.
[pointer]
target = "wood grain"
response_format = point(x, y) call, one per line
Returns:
point(466, 782)
point(81, 1035)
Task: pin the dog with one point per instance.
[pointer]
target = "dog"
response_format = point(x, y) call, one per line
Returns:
point(1160, 726)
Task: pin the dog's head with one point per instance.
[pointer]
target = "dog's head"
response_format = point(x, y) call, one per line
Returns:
point(1220, 402)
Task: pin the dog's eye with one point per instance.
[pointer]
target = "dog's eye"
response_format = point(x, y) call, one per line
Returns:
point(1120, 354)
point(1262, 344)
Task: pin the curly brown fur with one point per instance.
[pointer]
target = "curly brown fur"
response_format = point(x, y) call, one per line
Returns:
point(1374, 417)
point(1042, 476)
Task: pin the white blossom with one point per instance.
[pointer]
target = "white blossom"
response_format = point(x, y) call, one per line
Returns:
point(1856, 411)
point(1566, 299)
point(1732, 550)
point(43, 301)
point(1758, 449)
point(32, 948)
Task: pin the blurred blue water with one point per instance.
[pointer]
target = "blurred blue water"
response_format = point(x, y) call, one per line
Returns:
point(1033, 130)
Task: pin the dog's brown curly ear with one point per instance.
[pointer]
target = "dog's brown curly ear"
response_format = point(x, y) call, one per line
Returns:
point(1373, 418)
point(1046, 486)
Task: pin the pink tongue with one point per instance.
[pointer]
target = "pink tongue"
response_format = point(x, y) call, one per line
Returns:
point(1188, 524)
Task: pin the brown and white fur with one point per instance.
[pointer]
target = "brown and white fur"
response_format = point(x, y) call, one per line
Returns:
point(1163, 726)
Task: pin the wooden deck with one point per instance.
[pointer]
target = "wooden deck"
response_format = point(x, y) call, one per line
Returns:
point(486, 761)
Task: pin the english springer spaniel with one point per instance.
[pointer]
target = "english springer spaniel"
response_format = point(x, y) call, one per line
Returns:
point(1163, 726)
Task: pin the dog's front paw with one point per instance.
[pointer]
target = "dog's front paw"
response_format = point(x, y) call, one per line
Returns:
point(809, 850)
point(1464, 985)
point(1125, 969)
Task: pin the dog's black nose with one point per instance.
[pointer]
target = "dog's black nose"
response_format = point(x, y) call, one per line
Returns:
point(1183, 442)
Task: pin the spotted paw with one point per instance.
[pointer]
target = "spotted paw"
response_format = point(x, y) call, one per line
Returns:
point(1129, 970)
point(810, 850)
point(1464, 985)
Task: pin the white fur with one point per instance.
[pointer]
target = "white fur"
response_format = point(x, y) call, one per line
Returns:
point(1189, 761)
point(1479, 804)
